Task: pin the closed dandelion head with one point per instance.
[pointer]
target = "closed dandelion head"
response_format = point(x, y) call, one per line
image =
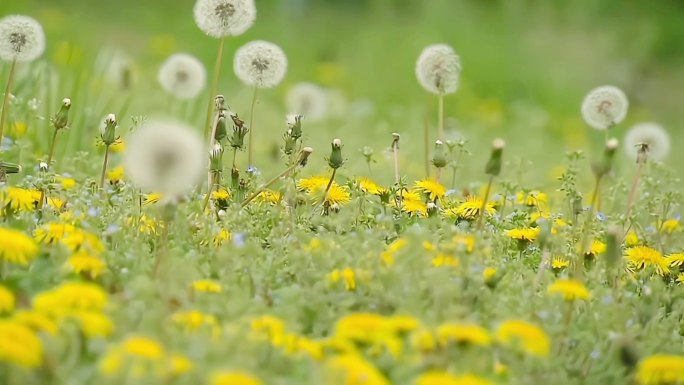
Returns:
point(221, 18)
point(182, 75)
point(21, 38)
point(647, 140)
point(164, 157)
point(604, 107)
point(438, 69)
point(309, 100)
point(260, 63)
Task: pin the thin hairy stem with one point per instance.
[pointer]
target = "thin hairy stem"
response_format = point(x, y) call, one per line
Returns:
point(250, 144)
point(5, 99)
point(440, 118)
point(104, 167)
point(482, 213)
point(214, 88)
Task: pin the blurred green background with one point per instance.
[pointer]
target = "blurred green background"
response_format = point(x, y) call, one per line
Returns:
point(526, 67)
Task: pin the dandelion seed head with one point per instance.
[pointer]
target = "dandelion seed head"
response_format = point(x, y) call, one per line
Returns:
point(604, 107)
point(651, 135)
point(21, 38)
point(260, 63)
point(220, 18)
point(309, 100)
point(438, 69)
point(182, 75)
point(164, 157)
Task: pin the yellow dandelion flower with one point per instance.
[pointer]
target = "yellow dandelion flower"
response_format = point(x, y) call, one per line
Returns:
point(631, 239)
point(528, 337)
point(93, 324)
point(82, 240)
point(597, 248)
point(470, 209)
point(675, 259)
point(179, 364)
point(428, 246)
point(19, 345)
point(362, 327)
point(269, 328)
point(233, 378)
point(66, 182)
point(145, 224)
point(151, 198)
point(347, 275)
point(7, 300)
point(18, 199)
point(680, 278)
point(221, 195)
point(269, 196)
point(412, 203)
point(445, 260)
point(526, 235)
point(312, 183)
point(463, 240)
point(531, 199)
point(670, 226)
point(115, 175)
point(36, 321)
point(207, 286)
point(143, 347)
point(559, 263)
point(337, 195)
point(463, 333)
point(402, 323)
point(370, 187)
point(83, 263)
point(193, 320)
point(70, 296)
point(16, 247)
point(118, 147)
point(311, 348)
point(221, 236)
point(423, 340)
point(443, 378)
point(660, 369)
point(17, 130)
point(52, 232)
point(570, 289)
point(488, 273)
point(641, 257)
point(354, 370)
point(433, 189)
point(387, 256)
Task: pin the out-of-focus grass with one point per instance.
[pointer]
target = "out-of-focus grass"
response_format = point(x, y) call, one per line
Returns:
point(527, 64)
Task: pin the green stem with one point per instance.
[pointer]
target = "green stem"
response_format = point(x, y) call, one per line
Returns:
point(214, 87)
point(104, 167)
point(484, 202)
point(440, 121)
point(5, 99)
point(250, 144)
point(426, 144)
point(327, 188)
point(585, 244)
point(51, 153)
point(632, 190)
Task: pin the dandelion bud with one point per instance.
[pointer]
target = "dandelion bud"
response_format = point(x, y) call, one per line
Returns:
point(21, 39)
point(9, 168)
point(493, 166)
point(260, 63)
point(335, 160)
point(237, 140)
point(221, 130)
point(216, 157)
point(60, 120)
point(220, 102)
point(604, 107)
point(438, 69)
point(439, 159)
point(294, 125)
point(612, 256)
point(221, 18)
point(603, 167)
point(303, 158)
point(43, 167)
point(647, 140)
point(395, 140)
point(108, 135)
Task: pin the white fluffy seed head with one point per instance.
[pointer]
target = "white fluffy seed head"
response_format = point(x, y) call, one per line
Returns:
point(604, 107)
point(220, 18)
point(182, 75)
point(438, 69)
point(309, 100)
point(21, 38)
point(260, 63)
point(164, 157)
point(652, 135)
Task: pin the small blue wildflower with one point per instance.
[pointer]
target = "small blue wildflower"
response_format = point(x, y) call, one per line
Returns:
point(600, 216)
point(92, 212)
point(239, 239)
point(651, 229)
point(253, 170)
point(111, 229)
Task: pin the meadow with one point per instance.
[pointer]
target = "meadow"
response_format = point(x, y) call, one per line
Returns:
point(240, 192)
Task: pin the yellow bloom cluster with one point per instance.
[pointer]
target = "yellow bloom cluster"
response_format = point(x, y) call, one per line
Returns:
point(660, 369)
point(642, 257)
point(569, 289)
point(528, 337)
point(16, 247)
point(140, 357)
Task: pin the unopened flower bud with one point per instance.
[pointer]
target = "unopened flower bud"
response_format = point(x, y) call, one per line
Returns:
point(395, 140)
point(335, 161)
point(216, 157)
point(493, 166)
point(61, 119)
point(109, 133)
point(42, 166)
point(221, 131)
point(294, 126)
point(603, 167)
point(303, 158)
point(439, 156)
point(237, 140)
point(9, 168)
